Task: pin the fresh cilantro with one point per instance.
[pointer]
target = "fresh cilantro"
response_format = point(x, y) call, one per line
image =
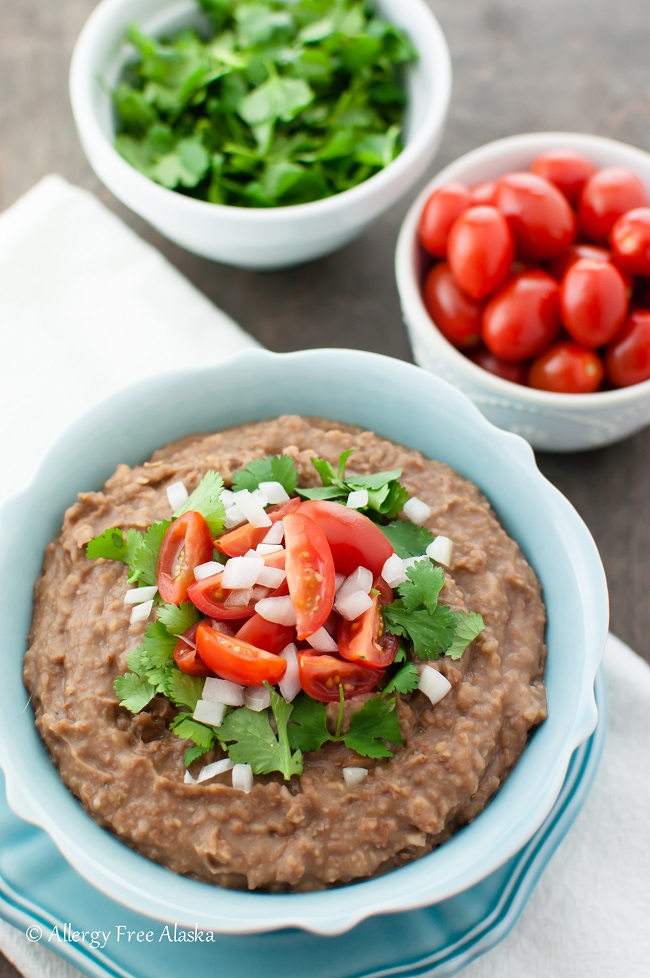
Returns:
point(183, 689)
point(308, 727)
point(178, 618)
point(386, 496)
point(133, 691)
point(407, 539)
point(423, 585)
point(431, 634)
point(192, 753)
point(273, 468)
point(405, 680)
point(187, 728)
point(373, 724)
point(251, 739)
point(158, 646)
point(114, 544)
point(206, 500)
point(144, 565)
point(469, 624)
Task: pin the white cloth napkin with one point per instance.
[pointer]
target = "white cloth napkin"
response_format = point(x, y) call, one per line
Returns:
point(71, 274)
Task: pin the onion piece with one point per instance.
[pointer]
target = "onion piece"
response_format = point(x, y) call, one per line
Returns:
point(223, 691)
point(441, 550)
point(322, 641)
point(210, 713)
point(274, 492)
point(393, 571)
point(241, 572)
point(265, 549)
point(338, 581)
point(409, 561)
point(234, 517)
point(242, 777)
point(433, 684)
point(240, 598)
point(352, 605)
point(271, 576)
point(357, 499)
point(289, 685)
point(360, 580)
point(257, 698)
point(260, 497)
point(201, 571)
point(177, 494)
point(251, 508)
point(354, 776)
point(275, 534)
point(214, 769)
point(137, 595)
point(416, 510)
point(140, 612)
point(279, 610)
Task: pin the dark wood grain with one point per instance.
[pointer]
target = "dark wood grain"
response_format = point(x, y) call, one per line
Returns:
point(518, 66)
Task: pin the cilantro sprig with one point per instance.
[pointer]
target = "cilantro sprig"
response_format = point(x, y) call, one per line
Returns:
point(139, 551)
point(386, 495)
point(251, 740)
point(372, 728)
point(272, 468)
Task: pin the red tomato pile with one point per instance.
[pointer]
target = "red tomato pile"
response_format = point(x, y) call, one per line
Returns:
point(234, 642)
point(543, 277)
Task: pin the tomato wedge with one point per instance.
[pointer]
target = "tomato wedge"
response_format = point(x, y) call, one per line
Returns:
point(186, 657)
point(238, 661)
point(212, 599)
point(186, 544)
point(243, 538)
point(321, 675)
point(355, 541)
point(365, 641)
point(310, 573)
point(265, 634)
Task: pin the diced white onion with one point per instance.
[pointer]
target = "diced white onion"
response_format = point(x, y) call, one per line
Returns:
point(274, 492)
point(441, 550)
point(290, 683)
point(338, 581)
point(264, 549)
point(275, 534)
point(360, 580)
point(354, 776)
point(410, 561)
point(393, 571)
point(210, 713)
point(223, 691)
point(322, 641)
point(225, 627)
point(208, 569)
point(136, 595)
point(188, 779)
point(140, 612)
point(433, 684)
point(358, 499)
point(242, 777)
point(257, 698)
point(251, 508)
point(214, 769)
point(239, 598)
point(271, 576)
point(279, 610)
point(227, 497)
point(177, 494)
point(353, 605)
point(416, 510)
point(251, 553)
point(260, 496)
point(241, 572)
point(234, 517)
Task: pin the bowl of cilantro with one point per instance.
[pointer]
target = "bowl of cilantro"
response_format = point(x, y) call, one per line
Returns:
point(383, 396)
point(260, 134)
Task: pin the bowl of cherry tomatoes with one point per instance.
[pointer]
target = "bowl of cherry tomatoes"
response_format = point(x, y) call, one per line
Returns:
point(524, 276)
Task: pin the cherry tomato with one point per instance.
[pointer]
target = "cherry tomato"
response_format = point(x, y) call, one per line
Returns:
point(243, 538)
point(483, 193)
point(567, 368)
point(515, 372)
point(607, 195)
point(445, 204)
point(355, 541)
point(457, 315)
point(310, 572)
point(522, 318)
point(265, 634)
point(212, 599)
point(561, 265)
point(593, 302)
point(365, 641)
point(238, 661)
point(186, 544)
point(386, 595)
point(630, 240)
point(540, 218)
point(627, 359)
point(186, 657)
point(565, 169)
point(480, 250)
point(321, 675)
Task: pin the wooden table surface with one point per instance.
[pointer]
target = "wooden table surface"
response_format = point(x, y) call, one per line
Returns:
point(518, 66)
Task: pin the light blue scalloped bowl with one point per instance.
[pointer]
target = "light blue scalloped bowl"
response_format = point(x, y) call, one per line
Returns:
point(400, 402)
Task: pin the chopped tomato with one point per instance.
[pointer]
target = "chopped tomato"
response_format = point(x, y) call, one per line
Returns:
point(355, 541)
point(240, 662)
point(265, 634)
point(364, 640)
point(386, 595)
point(186, 544)
point(321, 675)
point(186, 657)
point(310, 572)
point(212, 599)
point(243, 538)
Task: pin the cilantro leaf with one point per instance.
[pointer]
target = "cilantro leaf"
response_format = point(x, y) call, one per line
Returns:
point(157, 653)
point(251, 739)
point(422, 587)
point(431, 634)
point(407, 539)
point(192, 753)
point(206, 500)
point(373, 724)
point(273, 468)
point(405, 680)
point(187, 728)
point(275, 99)
point(386, 496)
point(113, 544)
point(377, 480)
point(178, 618)
point(326, 472)
point(183, 689)
point(324, 492)
point(143, 566)
point(133, 692)
point(308, 726)
point(469, 624)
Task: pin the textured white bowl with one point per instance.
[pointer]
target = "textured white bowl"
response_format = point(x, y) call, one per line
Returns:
point(377, 393)
point(253, 237)
point(554, 422)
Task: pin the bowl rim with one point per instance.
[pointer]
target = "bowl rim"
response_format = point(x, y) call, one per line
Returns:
point(99, 856)
point(410, 291)
point(82, 76)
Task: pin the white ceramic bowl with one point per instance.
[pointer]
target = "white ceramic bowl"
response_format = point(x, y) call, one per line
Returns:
point(377, 393)
point(253, 237)
point(555, 422)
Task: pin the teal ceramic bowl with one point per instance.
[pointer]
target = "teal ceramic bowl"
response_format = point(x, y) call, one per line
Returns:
point(400, 402)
